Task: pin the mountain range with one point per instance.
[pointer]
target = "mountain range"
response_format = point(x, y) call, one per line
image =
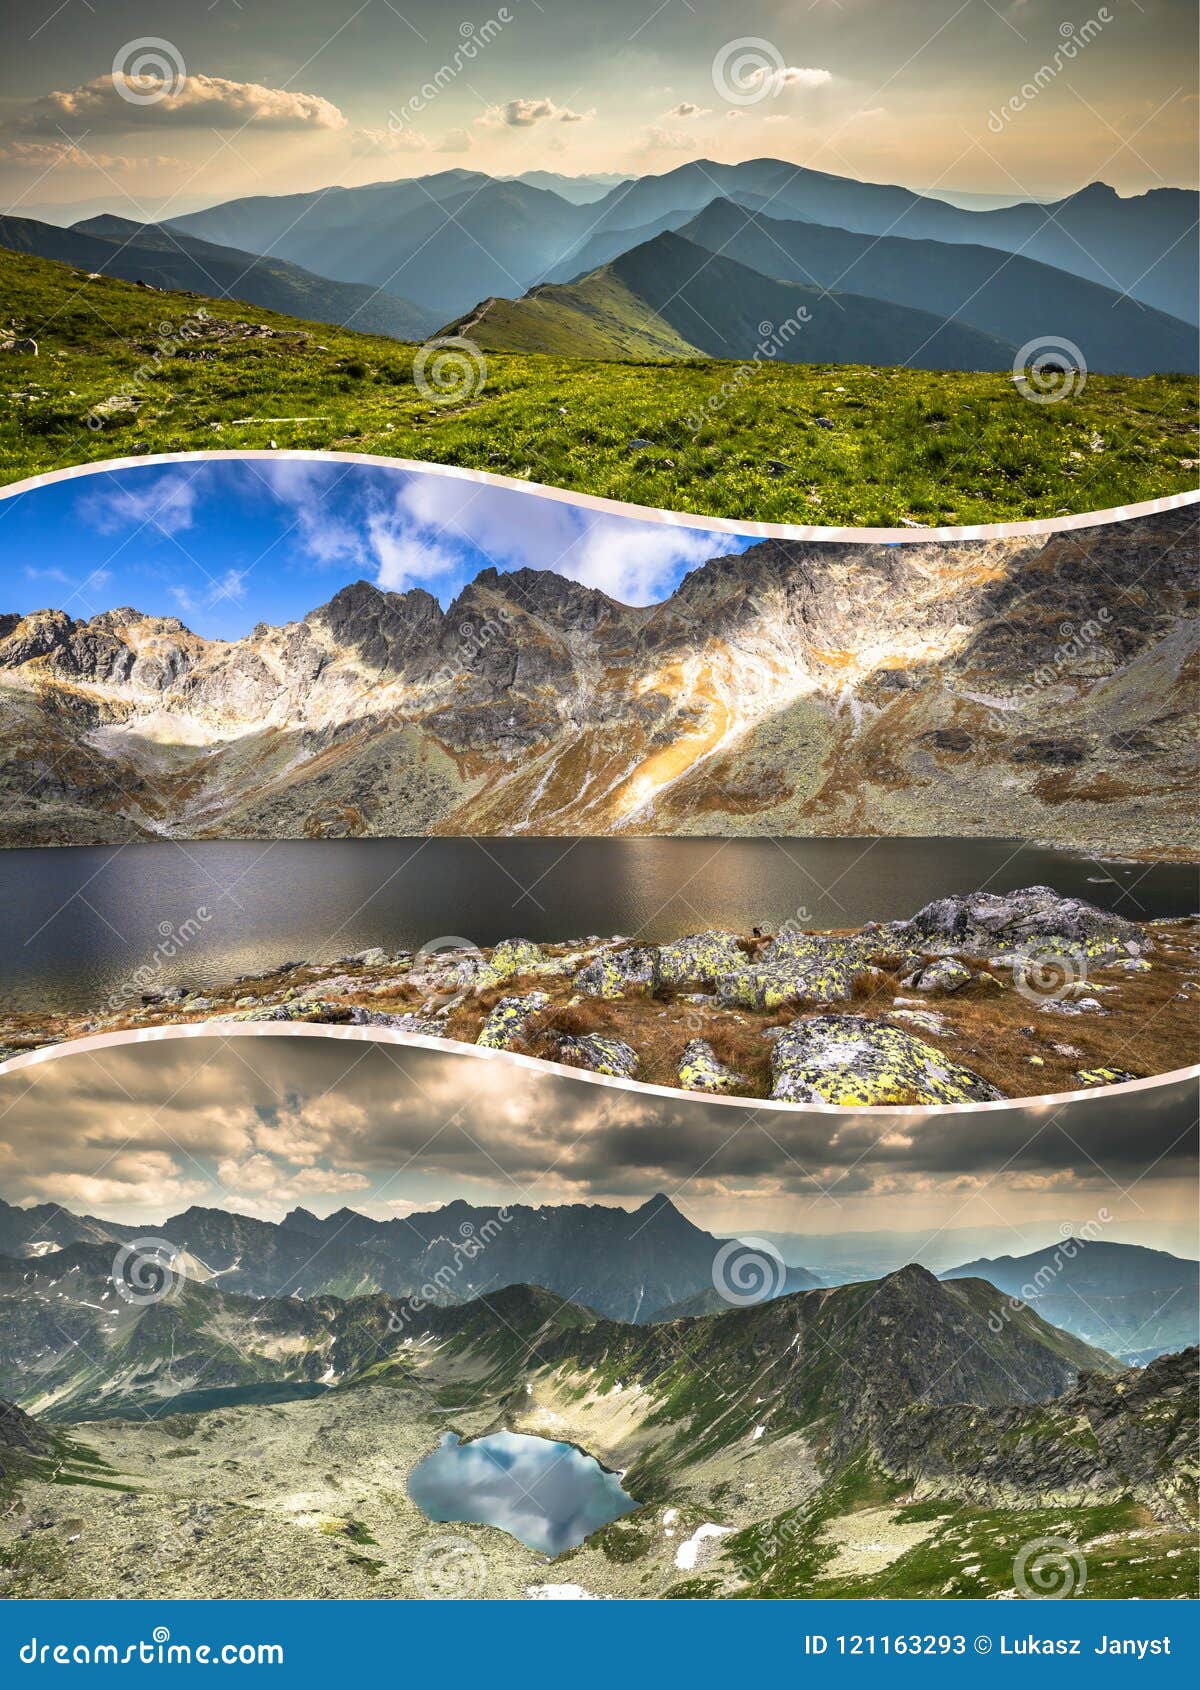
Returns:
point(629, 1266)
point(794, 689)
point(459, 236)
point(625, 269)
point(643, 1266)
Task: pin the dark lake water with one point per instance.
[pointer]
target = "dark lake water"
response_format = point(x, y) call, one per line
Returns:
point(81, 922)
point(549, 1495)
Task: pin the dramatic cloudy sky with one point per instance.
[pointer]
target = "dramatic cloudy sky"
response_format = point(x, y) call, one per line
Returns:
point(224, 545)
point(277, 95)
point(258, 1123)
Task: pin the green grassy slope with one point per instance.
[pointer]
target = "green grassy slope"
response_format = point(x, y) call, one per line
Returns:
point(708, 437)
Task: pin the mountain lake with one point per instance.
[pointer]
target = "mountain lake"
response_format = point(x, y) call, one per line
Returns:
point(86, 923)
point(548, 1495)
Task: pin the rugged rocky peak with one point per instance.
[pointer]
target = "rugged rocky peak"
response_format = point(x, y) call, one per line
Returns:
point(301, 1220)
point(382, 628)
point(542, 593)
point(25, 638)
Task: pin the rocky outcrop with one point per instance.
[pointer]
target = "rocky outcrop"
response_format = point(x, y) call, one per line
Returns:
point(985, 923)
point(1132, 1434)
point(857, 1063)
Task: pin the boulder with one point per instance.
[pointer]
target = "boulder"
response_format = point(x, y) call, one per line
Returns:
point(1086, 1077)
point(599, 1053)
point(857, 1063)
point(982, 923)
point(618, 974)
point(797, 968)
point(510, 1020)
point(944, 975)
point(700, 1069)
point(514, 956)
point(698, 960)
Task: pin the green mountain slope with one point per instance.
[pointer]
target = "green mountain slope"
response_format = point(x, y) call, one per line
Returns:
point(905, 444)
point(671, 298)
point(160, 258)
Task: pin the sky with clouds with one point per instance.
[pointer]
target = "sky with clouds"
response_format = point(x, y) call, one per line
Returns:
point(275, 96)
point(226, 544)
point(259, 1123)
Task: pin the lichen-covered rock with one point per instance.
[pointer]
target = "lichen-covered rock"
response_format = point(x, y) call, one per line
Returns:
point(796, 968)
point(512, 957)
point(700, 1069)
point(1103, 1076)
point(599, 1053)
point(944, 975)
point(618, 974)
point(698, 960)
point(857, 1063)
point(981, 923)
point(509, 1021)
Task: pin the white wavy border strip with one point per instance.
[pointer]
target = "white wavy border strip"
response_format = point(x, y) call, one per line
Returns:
point(559, 1071)
point(615, 507)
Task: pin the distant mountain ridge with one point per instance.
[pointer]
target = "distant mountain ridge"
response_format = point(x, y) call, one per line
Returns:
point(628, 1265)
point(1134, 1302)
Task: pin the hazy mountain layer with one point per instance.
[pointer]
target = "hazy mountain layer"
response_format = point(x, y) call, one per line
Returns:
point(459, 236)
point(165, 258)
point(797, 689)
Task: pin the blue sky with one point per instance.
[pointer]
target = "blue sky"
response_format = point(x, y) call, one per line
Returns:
point(224, 545)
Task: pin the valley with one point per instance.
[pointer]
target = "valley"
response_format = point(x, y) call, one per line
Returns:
point(854, 1441)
